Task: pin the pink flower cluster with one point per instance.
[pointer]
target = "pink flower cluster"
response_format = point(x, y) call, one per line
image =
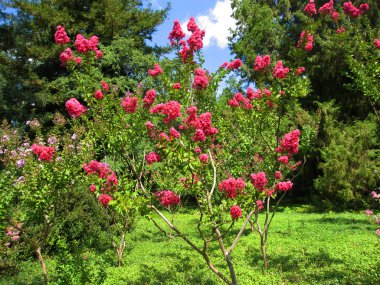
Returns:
point(235, 212)
point(306, 40)
point(261, 62)
point(130, 104)
point(203, 158)
point(202, 124)
point(74, 108)
point(200, 79)
point(149, 98)
point(290, 142)
point(260, 205)
point(44, 153)
point(239, 99)
point(280, 71)
point(60, 36)
point(351, 10)
point(193, 43)
point(176, 33)
point(98, 94)
point(14, 234)
point(105, 199)
point(340, 30)
point(284, 186)
point(231, 186)
point(157, 70)
point(168, 198)
point(259, 180)
point(171, 109)
point(152, 157)
point(84, 45)
point(101, 169)
point(67, 55)
point(177, 86)
point(327, 8)
point(300, 70)
point(375, 195)
point(376, 42)
point(235, 64)
point(310, 8)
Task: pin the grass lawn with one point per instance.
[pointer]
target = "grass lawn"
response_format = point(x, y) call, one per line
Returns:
point(303, 248)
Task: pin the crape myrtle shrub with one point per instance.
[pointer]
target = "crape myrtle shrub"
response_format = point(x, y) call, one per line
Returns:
point(126, 146)
point(337, 43)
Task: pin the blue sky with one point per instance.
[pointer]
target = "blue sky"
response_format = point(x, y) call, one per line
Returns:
point(211, 15)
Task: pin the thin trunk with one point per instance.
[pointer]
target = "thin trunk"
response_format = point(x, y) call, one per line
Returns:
point(264, 251)
point(43, 266)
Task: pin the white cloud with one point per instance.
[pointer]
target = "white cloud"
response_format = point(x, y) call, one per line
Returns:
point(216, 23)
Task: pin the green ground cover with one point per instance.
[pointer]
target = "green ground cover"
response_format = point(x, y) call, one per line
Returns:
point(304, 248)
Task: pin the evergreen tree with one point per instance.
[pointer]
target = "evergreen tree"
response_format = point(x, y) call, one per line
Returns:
point(32, 59)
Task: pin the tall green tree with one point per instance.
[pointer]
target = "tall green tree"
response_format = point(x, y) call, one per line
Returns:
point(31, 57)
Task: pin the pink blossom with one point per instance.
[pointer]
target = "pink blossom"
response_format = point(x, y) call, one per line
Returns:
point(284, 186)
point(44, 153)
point(171, 110)
point(105, 86)
point(149, 98)
point(198, 149)
point(92, 188)
point(177, 86)
point(199, 136)
point(203, 157)
point(280, 71)
point(231, 186)
point(168, 198)
point(260, 205)
point(105, 199)
point(200, 79)
point(327, 8)
point(351, 10)
point(195, 41)
point(174, 133)
point(259, 180)
point(378, 232)
point(306, 41)
point(376, 42)
point(152, 157)
point(277, 175)
point(60, 36)
point(101, 169)
point(300, 70)
point(157, 70)
point(235, 212)
point(310, 8)
point(368, 212)
point(98, 94)
point(290, 143)
point(15, 238)
point(66, 56)
point(261, 62)
point(235, 64)
point(74, 108)
point(130, 104)
point(283, 159)
point(176, 34)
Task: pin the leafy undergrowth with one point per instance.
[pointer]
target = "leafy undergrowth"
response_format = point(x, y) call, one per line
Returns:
point(304, 248)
